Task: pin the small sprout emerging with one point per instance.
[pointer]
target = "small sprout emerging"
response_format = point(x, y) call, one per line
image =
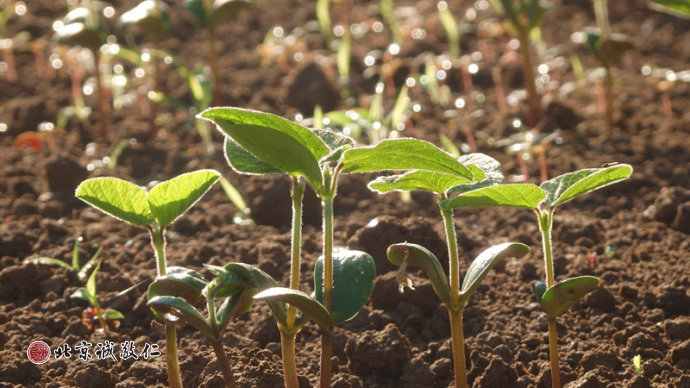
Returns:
point(108, 318)
point(637, 364)
point(81, 270)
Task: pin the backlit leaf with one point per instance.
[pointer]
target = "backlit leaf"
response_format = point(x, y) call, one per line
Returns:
point(515, 195)
point(568, 186)
point(118, 198)
point(244, 162)
point(170, 199)
point(563, 295)
point(417, 180)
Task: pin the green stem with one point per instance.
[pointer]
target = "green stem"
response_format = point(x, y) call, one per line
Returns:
point(454, 266)
point(224, 364)
point(99, 312)
point(287, 342)
point(174, 375)
point(458, 339)
point(545, 226)
point(326, 340)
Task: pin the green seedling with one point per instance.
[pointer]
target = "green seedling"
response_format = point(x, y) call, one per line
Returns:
point(261, 143)
point(84, 27)
point(431, 169)
point(152, 17)
point(175, 293)
point(75, 265)
point(524, 18)
point(210, 14)
point(90, 294)
point(637, 364)
point(554, 297)
point(608, 48)
point(154, 211)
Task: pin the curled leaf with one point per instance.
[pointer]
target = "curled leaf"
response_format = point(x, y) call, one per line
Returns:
point(420, 257)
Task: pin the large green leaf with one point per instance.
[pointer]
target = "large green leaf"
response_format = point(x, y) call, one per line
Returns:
point(118, 198)
point(482, 264)
point(515, 195)
point(563, 295)
point(353, 280)
point(568, 186)
point(313, 309)
point(417, 180)
point(403, 154)
point(178, 281)
point(179, 308)
point(244, 162)
point(417, 256)
point(170, 199)
point(285, 145)
point(675, 7)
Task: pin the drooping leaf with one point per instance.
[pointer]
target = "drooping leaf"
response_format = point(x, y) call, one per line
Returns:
point(118, 198)
point(515, 195)
point(568, 186)
point(403, 154)
point(417, 180)
point(353, 280)
point(417, 256)
point(244, 162)
point(563, 295)
point(482, 264)
point(178, 307)
point(152, 17)
point(280, 143)
point(170, 199)
point(178, 281)
point(313, 309)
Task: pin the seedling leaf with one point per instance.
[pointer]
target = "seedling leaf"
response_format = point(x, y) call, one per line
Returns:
point(482, 264)
point(679, 8)
point(82, 293)
point(568, 186)
point(244, 162)
point(312, 308)
point(403, 154)
point(118, 198)
point(417, 180)
point(539, 290)
point(285, 145)
point(178, 307)
point(112, 314)
point(178, 281)
point(259, 281)
point(483, 167)
point(353, 280)
point(417, 256)
point(170, 199)
point(516, 195)
point(91, 282)
point(563, 295)
point(89, 264)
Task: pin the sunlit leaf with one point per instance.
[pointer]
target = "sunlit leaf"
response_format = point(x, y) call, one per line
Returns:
point(515, 195)
point(563, 295)
point(118, 198)
point(568, 186)
point(170, 199)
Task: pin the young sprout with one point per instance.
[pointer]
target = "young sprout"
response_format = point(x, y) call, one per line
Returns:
point(431, 169)
point(107, 318)
point(637, 364)
point(84, 27)
point(524, 16)
point(75, 265)
point(154, 211)
point(261, 143)
point(152, 17)
point(210, 14)
point(554, 297)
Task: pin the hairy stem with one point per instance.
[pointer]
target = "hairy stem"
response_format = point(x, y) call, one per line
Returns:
point(326, 340)
point(454, 266)
point(287, 344)
point(545, 225)
point(326, 350)
point(458, 339)
point(224, 364)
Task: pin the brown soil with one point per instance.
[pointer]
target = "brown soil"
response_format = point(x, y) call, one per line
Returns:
point(643, 306)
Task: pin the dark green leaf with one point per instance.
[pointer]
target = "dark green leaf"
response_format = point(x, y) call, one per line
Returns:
point(482, 264)
point(244, 162)
point(237, 304)
point(118, 198)
point(353, 280)
point(260, 281)
point(539, 290)
point(170, 199)
point(178, 307)
point(515, 195)
point(568, 186)
point(313, 309)
point(563, 295)
point(178, 281)
point(403, 154)
point(417, 256)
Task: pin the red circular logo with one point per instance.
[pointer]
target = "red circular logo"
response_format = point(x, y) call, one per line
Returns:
point(38, 352)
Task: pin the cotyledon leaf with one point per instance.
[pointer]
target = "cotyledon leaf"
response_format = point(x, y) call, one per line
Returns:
point(417, 256)
point(244, 162)
point(516, 195)
point(312, 308)
point(563, 295)
point(482, 264)
point(178, 307)
point(178, 281)
point(568, 186)
point(118, 198)
point(170, 199)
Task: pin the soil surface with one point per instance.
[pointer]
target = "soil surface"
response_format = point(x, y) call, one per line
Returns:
point(633, 235)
